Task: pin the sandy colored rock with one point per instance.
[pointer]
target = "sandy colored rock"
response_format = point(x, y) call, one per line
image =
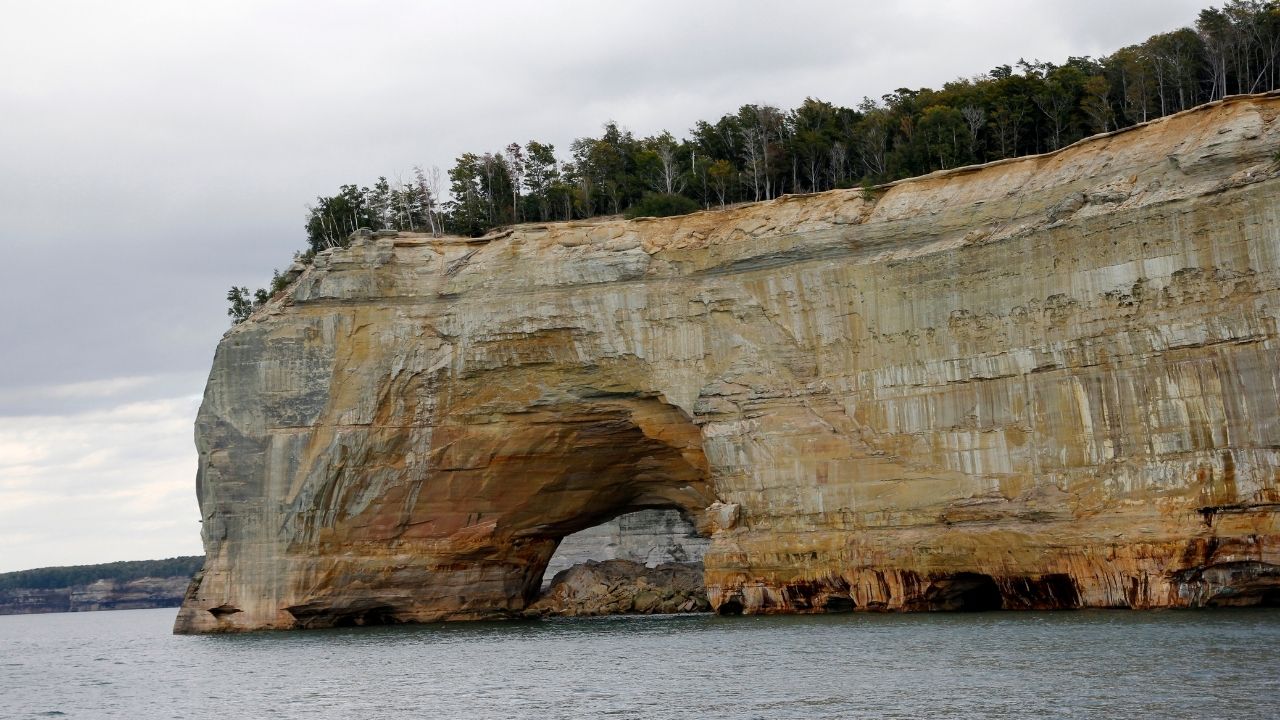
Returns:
point(1045, 382)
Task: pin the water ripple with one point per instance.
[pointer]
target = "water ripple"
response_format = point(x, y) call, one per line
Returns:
point(1087, 664)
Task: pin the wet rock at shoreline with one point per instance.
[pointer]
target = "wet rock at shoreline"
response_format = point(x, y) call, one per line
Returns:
point(618, 587)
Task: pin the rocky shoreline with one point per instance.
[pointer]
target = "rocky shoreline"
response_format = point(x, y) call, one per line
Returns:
point(623, 587)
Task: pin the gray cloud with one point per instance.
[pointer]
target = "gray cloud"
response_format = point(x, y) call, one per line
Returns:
point(106, 485)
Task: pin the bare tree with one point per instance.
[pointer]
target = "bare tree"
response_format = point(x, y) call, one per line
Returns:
point(839, 156)
point(515, 169)
point(1262, 33)
point(429, 194)
point(974, 118)
point(770, 122)
point(403, 198)
point(873, 139)
point(760, 124)
point(668, 168)
point(1218, 35)
point(753, 156)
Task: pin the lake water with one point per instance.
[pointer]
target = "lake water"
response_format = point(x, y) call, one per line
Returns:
point(1087, 664)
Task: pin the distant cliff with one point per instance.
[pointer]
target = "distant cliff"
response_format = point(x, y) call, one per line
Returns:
point(128, 585)
point(1048, 382)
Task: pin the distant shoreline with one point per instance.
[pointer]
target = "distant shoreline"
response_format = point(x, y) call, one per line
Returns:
point(125, 585)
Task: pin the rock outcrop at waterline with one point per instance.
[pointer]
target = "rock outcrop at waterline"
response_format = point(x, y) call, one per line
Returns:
point(1045, 382)
point(623, 587)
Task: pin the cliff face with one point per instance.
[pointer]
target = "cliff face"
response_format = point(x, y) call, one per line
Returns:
point(101, 595)
point(1047, 382)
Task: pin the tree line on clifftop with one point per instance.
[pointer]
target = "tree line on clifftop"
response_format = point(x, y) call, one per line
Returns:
point(760, 152)
point(50, 578)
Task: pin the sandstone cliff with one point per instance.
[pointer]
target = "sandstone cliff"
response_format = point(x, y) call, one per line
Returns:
point(1046, 382)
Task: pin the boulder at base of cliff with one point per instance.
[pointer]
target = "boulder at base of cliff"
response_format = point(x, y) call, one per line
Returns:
point(617, 587)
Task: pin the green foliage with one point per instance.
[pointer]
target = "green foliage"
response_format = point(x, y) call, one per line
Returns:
point(400, 205)
point(662, 205)
point(868, 191)
point(241, 303)
point(542, 176)
point(124, 571)
point(481, 190)
point(758, 152)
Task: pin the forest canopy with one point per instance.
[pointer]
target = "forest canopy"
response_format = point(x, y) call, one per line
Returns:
point(123, 571)
point(759, 152)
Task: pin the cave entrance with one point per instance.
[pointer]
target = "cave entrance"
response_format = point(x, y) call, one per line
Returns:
point(1243, 584)
point(964, 592)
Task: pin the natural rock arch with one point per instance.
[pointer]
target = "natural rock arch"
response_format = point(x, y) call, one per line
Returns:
point(1057, 372)
point(471, 536)
point(548, 473)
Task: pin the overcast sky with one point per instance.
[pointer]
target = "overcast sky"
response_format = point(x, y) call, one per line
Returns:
point(152, 154)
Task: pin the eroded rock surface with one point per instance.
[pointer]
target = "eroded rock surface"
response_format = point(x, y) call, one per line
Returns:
point(615, 587)
point(1046, 382)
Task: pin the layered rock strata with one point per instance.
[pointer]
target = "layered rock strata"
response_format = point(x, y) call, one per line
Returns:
point(1045, 382)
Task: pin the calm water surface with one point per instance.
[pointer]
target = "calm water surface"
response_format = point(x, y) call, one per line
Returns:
point(1115, 664)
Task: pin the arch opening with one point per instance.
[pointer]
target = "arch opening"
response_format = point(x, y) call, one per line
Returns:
point(472, 534)
point(649, 537)
point(641, 562)
point(620, 479)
